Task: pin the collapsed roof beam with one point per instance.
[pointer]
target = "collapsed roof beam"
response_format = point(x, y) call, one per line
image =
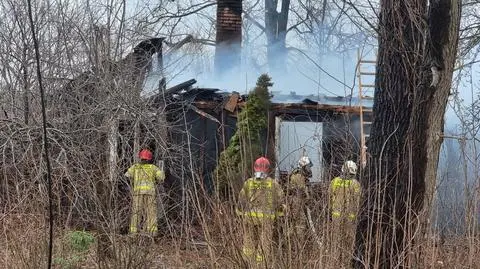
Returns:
point(179, 87)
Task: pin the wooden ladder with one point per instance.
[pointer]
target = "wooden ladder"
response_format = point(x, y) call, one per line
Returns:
point(366, 89)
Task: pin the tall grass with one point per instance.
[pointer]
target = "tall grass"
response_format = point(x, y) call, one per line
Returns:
point(212, 238)
point(199, 230)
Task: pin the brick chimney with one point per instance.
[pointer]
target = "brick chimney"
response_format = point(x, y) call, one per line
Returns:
point(229, 35)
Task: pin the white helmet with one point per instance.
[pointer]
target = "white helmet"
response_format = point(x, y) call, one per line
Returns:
point(349, 167)
point(304, 161)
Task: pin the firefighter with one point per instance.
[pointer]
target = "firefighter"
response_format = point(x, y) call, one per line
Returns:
point(344, 193)
point(299, 179)
point(297, 199)
point(259, 204)
point(144, 176)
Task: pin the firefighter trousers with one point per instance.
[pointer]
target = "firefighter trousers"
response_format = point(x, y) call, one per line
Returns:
point(144, 205)
point(343, 236)
point(257, 243)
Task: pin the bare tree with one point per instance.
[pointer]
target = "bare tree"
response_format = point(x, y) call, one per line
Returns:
point(415, 64)
point(276, 30)
point(470, 28)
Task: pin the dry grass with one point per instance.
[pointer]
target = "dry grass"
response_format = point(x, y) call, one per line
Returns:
point(24, 245)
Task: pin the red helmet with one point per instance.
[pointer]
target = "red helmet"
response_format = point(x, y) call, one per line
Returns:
point(262, 164)
point(145, 154)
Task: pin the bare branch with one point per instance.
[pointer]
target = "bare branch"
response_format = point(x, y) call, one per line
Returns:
point(255, 22)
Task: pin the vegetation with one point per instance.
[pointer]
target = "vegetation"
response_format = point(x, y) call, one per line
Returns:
point(248, 142)
point(101, 66)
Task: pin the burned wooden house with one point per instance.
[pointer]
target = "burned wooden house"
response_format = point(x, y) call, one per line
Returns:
point(109, 119)
point(326, 128)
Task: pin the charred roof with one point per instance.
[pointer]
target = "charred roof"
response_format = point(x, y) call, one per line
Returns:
point(211, 98)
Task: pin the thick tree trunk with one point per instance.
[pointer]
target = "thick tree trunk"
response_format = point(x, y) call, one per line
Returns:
point(409, 107)
point(229, 35)
point(276, 31)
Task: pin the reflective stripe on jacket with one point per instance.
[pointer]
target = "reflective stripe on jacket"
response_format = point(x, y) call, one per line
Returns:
point(260, 198)
point(344, 197)
point(145, 176)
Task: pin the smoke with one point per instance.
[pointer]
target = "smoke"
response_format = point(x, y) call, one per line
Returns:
point(457, 202)
point(314, 75)
point(330, 75)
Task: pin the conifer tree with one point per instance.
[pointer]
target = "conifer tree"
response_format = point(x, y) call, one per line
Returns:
point(247, 143)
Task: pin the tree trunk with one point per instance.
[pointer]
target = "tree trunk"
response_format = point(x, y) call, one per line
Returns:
point(229, 35)
point(404, 145)
point(276, 31)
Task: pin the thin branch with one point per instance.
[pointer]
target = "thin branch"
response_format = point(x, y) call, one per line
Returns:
point(203, 41)
point(174, 16)
point(467, 64)
point(302, 21)
point(360, 14)
point(255, 22)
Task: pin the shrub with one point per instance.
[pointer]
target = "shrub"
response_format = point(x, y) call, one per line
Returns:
point(80, 241)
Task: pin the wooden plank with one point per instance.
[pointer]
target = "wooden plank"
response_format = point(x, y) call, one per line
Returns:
point(232, 102)
point(278, 122)
point(204, 114)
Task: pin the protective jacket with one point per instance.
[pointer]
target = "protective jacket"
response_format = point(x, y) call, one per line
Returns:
point(297, 183)
point(344, 198)
point(144, 177)
point(260, 199)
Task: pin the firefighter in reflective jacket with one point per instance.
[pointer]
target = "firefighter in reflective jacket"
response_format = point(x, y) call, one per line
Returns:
point(345, 195)
point(259, 204)
point(144, 176)
point(297, 191)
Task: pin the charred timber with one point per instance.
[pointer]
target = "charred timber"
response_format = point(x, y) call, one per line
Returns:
point(179, 87)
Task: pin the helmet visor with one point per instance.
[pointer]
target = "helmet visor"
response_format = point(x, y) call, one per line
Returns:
point(261, 175)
